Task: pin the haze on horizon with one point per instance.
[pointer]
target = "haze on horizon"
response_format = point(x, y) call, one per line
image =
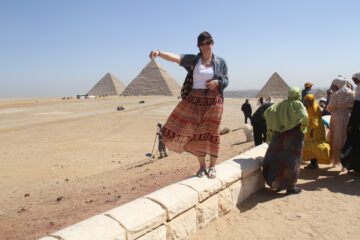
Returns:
point(63, 48)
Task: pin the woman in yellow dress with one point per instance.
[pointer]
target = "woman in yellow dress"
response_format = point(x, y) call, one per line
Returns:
point(316, 149)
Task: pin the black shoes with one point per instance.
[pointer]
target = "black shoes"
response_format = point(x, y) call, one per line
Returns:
point(294, 190)
point(312, 165)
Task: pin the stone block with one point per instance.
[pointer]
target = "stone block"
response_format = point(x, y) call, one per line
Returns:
point(246, 163)
point(182, 227)
point(94, 228)
point(156, 234)
point(258, 151)
point(175, 199)
point(225, 202)
point(227, 174)
point(264, 145)
point(204, 186)
point(235, 190)
point(248, 131)
point(251, 184)
point(138, 216)
point(207, 211)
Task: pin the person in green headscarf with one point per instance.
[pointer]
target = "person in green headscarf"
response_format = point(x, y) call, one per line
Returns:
point(286, 126)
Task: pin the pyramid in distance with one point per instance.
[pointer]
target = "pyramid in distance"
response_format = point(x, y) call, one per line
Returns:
point(274, 87)
point(320, 93)
point(109, 85)
point(152, 80)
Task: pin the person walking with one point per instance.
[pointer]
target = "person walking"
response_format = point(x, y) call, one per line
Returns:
point(286, 123)
point(194, 124)
point(340, 104)
point(246, 108)
point(161, 146)
point(259, 124)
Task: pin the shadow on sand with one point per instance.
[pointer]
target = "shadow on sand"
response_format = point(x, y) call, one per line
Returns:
point(315, 181)
point(331, 180)
point(261, 196)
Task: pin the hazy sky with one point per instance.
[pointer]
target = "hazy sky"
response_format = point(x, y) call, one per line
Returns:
point(62, 48)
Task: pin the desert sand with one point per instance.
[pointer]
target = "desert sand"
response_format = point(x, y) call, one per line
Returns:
point(63, 161)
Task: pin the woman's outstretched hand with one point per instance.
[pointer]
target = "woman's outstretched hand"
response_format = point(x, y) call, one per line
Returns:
point(212, 84)
point(154, 54)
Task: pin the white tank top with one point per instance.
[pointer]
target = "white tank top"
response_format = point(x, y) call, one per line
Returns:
point(201, 74)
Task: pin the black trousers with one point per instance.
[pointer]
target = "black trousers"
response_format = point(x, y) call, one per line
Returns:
point(247, 116)
point(259, 130)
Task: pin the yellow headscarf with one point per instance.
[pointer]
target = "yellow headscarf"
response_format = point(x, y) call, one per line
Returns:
point(312, 98)
point(314, 112)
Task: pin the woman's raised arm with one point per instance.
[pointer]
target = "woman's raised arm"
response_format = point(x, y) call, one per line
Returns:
point(165, 55)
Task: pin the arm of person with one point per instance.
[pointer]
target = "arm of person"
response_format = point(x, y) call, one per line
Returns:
point(332, 104)
point(165, 55)
point(223, 79)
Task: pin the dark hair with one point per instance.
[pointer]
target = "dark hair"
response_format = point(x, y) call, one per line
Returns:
point(204, 36)
point(261, 99)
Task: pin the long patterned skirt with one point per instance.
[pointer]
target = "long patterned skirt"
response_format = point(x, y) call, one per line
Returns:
point(281, 165)
point(194, 125)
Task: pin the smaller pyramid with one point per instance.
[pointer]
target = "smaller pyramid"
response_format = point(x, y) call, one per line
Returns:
point(274, 87)
point(109, 85)
point(320, 94)
point(153, 80)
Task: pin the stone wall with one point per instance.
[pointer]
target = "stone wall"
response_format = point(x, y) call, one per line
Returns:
point(178, 210)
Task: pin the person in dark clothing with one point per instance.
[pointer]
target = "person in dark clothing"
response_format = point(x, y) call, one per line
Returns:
point(325, 111)
point(306, 90)
point(259, 124)
point(246, 108)
point(350, 154)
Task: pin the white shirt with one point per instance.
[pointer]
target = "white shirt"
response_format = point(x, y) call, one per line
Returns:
point(201, 74)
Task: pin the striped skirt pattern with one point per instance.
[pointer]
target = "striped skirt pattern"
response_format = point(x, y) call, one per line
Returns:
point(194, 124)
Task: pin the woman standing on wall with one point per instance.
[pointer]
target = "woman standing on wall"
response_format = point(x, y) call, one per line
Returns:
point(194, 125)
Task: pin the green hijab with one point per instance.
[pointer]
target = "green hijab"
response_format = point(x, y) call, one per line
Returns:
point(286, 114)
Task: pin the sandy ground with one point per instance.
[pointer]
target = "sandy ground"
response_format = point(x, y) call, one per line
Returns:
point(62, 161)
point(327, 208)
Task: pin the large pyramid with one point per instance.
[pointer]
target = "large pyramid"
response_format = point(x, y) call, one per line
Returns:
point(152, 80)
point(274, 87)
point(109, 85)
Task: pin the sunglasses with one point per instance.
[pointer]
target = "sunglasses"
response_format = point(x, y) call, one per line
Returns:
point(206, 43)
